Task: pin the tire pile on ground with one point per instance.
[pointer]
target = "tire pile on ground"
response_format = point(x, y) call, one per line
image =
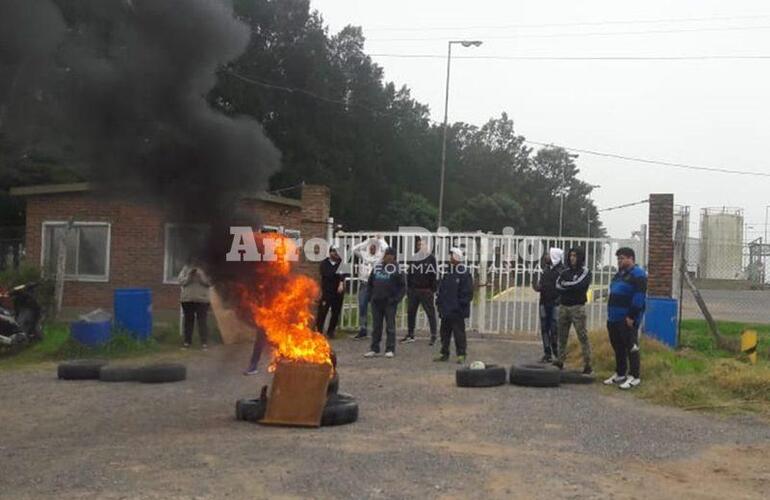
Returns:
point(529, 375)
point(96, 369)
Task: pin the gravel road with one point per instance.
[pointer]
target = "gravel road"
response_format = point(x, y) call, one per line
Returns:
point(419, 436)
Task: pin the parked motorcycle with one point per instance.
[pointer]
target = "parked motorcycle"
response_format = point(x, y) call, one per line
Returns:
point(22, 323)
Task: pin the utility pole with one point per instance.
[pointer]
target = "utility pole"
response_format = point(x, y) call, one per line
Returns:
point(464, 43)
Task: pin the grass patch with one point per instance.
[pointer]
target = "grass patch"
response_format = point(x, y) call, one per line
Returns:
point(695, 377)
point(696, 335)
point(57, 345)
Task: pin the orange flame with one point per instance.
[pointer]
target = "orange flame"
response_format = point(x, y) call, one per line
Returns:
point(282, 307)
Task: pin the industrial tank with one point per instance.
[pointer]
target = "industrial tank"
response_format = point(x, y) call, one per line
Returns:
point(721, 254)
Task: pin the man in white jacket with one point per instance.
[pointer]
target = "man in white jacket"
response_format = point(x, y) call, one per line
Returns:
point(369, 252)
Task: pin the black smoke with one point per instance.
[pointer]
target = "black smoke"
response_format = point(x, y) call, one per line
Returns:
point(118, 89)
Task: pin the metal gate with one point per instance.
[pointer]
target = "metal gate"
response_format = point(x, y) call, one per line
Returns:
point(503, 267)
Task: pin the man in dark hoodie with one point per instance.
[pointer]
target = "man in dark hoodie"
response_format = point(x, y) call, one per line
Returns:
point(421, 291)
point(386, 289)
point(551, 267)
point(572, 284)
point(455, 294)
point(332, 292)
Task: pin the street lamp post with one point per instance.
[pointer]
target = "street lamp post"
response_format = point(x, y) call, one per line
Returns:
point(588, 212)
point(464, 43)
point(764, 241)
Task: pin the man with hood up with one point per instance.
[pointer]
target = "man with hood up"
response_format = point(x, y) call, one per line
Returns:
point(572, 284)
point(545, 283)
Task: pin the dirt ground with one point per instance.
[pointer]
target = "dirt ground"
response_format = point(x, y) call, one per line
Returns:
point(418, 436)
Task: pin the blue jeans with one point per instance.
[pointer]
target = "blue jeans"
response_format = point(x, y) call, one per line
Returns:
point(549, 315)
point(363, 306)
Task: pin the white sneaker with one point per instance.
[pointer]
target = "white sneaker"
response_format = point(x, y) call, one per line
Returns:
point(630, 383)
point(390, 354)
point(614, 379)
point(371, 354)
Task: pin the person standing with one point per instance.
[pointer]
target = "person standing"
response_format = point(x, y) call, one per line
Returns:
point(369, 252)
point(545, 284)
point(572, 284)
point(455, 294)
point(195, 301)
point(332, 292)
point(421, 291)
point(386, 289)
point(625, 308)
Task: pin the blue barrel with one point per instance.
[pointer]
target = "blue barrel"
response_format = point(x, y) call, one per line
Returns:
point(90, 333)
point(660, 320)
point(133, 311)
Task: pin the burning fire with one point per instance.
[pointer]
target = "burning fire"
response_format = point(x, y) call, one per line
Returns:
point(281, 305)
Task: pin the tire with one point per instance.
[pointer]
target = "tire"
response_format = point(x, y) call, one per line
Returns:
point(490, 376)
point(535, 375)
point(161, 373)
point(250, 410)
point(334, 385)
point(117, 374)
point(340, 409)
point(575, 377)
point(80, 369)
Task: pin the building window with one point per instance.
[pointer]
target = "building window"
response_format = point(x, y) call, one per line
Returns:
point(87, 250)
point(293, 234)
point(183, 241)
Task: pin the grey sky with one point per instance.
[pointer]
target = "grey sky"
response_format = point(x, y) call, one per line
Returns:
point(703, 112)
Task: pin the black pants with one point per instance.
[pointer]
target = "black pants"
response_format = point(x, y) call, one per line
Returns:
point(195, 311)
point(417, 298)
point(335, 304)
point(625, 343)
point(384, 311)
point(453, 326)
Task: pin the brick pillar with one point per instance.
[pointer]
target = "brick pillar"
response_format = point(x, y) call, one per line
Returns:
point(660, 265)
point(316, 203)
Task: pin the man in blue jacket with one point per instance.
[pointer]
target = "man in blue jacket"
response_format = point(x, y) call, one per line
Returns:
point(625, 308)
point(455, 293)
point(386, 288)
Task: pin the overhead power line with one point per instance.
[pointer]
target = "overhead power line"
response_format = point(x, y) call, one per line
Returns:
point(581, 58)
point(652, 162)
point(570, 24)
point(581, 34)
point(625, 205)
point(308, 93)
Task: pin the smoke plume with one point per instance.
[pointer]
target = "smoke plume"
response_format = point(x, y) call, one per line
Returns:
point(119, 87)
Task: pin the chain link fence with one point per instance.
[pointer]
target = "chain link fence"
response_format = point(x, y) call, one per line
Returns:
point(727, 267)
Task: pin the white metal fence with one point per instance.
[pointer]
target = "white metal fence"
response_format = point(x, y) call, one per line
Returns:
point(503, 268)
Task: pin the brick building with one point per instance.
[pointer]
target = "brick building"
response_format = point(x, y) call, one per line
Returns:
point(125, 243)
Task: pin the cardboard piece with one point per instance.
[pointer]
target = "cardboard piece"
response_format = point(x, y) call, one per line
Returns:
point(298, 394)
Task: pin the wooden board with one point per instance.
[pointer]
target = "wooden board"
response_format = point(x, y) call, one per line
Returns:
point(298, 394)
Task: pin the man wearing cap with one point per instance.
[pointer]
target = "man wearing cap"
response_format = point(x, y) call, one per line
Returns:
point(455, 294)
point(386, 289)
point(332, 292)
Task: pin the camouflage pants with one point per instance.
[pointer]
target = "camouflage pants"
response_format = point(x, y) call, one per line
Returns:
point(568, 316)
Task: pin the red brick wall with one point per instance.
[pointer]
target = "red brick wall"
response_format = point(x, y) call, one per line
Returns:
point(660, 263)
point(137, 239)
point(316, 203)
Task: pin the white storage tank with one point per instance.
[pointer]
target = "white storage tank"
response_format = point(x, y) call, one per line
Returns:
point(721, 253)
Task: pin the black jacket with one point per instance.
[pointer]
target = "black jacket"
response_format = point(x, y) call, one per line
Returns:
point(386, 284)
point(422, 274)
point(545, 283)
point(573, 283)
point(455, 293)
point(330, 278)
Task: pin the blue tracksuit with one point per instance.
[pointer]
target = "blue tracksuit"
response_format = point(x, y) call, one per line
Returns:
point(628, 292)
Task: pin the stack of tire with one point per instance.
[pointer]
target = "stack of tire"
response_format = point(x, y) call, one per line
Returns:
point(340, 408)
point(529, 375)
point(96, 369)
